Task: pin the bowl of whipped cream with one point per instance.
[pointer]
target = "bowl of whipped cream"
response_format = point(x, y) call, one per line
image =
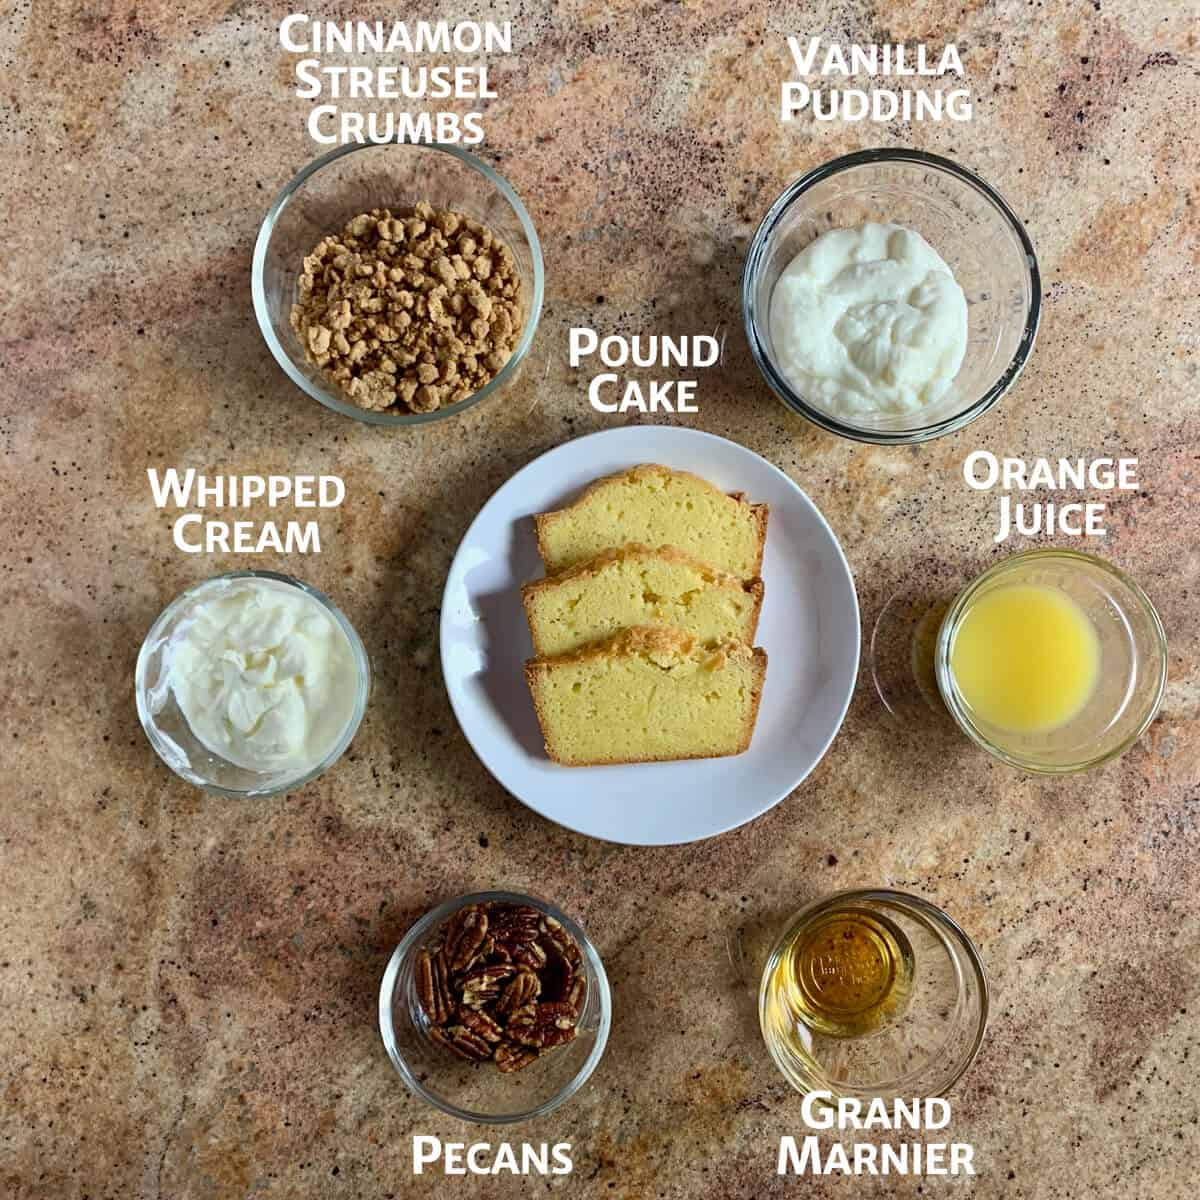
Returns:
point(251, 683)
point(891, 296)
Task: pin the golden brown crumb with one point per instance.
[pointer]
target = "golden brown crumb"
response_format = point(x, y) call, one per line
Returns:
point(409, 310)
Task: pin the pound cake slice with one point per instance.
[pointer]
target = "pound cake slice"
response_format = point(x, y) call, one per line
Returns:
point(647, 695)
point(656, 506)
point(640, 586)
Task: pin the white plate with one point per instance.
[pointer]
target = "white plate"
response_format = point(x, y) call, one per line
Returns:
point(809, 629)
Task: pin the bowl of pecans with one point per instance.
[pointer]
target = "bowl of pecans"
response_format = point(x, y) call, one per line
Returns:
point(398, 283)
point(495, 1008)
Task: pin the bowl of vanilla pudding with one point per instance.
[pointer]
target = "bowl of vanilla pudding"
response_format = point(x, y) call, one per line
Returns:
point(891, 296)
point(1052, 660)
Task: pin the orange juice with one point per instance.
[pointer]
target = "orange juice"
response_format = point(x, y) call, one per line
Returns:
point(1025, 658)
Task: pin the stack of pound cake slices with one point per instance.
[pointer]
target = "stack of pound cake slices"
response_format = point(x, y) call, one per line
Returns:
point(644, 625)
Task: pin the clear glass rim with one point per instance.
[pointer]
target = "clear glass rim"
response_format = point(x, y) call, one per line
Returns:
point(413, 939)
point(958, 709)
point(327, 397)
point(931, 913)
point(756, 260)
point(185, 598)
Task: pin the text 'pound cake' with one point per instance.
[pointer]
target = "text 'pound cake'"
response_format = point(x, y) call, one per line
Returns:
point(656, 506)
point(647, 695)
point(637, 585)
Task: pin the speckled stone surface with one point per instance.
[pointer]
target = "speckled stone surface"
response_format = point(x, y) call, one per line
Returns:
point(188, 984)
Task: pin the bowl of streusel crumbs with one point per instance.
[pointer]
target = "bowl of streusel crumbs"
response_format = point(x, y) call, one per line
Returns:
point(398, 283)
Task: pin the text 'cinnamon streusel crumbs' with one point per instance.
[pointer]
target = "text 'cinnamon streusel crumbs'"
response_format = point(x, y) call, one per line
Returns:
point(409, 311)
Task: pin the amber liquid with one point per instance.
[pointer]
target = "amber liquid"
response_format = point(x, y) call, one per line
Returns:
point(848, 972)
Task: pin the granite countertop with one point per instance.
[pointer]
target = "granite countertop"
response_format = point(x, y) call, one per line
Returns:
point(189, 983)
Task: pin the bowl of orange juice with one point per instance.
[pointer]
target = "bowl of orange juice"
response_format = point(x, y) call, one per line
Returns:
point(1053, 661)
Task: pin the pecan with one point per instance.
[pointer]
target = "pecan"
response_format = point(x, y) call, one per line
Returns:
point(441, 979)
point(432, 989)
point(516, 923)
point(452, 927)
point(511, 1057)
point(480, 1024)
point(576, 994)
point(529, 954)
point(558, 973)
point(438, 1034)
point(426, 992)
point(468, 1044)
point(480, 957)
point(462, 1042)
point(555, 933)
point(543, 1025)
point(464, 937)
point(519, 991)
point(563, 1015)
point(482, 986)
point(554, 1036)
point(526, 1014)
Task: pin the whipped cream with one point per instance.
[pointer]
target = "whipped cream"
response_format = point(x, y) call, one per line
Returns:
point(867, 321)
point(263, 675)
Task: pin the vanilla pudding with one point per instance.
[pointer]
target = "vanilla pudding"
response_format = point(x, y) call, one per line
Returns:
point(868, 320)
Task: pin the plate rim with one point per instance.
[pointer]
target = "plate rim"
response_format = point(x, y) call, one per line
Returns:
point(626, 430)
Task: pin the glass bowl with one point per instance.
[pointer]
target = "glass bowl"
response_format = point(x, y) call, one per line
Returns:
point(1133, 664)
point(964, 220)
point(922, 1047)
point(478, 1091)
point(354, 179)
point(167, 727)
